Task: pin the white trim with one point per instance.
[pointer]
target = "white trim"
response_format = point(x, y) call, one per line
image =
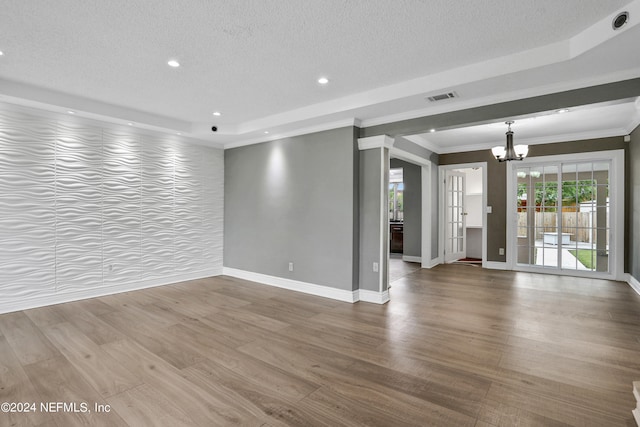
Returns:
point(398, 153)
point(432, 263)
point(409, 258)
point(365, 295)
point(485, 201)
point(441, 211)
point(383, 269)
point(426, 207)
point(296, 132)
point(616, 206)
point(62, 297)
point(634, 283)
point(419, 140)
point(293, 285)
point(511, 217)
point(495, 265)
point(378, 141)
point(635, 120)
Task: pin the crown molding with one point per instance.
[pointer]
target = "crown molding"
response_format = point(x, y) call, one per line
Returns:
point(378, 141)
point(296, 132)
point(419, 140)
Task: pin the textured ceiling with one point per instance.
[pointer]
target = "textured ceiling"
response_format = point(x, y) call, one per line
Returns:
point(255, 59)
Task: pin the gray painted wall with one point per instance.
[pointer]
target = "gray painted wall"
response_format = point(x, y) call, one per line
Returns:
point(412, 177)
point(370, 217)
point(294, 200)
point(497, 181)
point(633, 202)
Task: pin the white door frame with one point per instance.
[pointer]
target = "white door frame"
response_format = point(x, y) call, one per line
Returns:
point(442, 203)
point(616, 212)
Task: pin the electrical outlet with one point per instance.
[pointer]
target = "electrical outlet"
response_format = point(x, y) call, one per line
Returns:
point(290, 266)
point(501, 251)
point(375, 267)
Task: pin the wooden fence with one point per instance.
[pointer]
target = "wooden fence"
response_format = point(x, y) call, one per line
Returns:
point(581, 225)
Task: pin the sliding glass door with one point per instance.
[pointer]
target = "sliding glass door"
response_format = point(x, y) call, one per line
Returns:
point(563, 216)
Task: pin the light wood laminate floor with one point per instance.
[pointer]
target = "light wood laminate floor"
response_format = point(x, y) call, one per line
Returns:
point(456, 346)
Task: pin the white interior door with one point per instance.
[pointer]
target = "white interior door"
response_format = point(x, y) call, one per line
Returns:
point(455, 217)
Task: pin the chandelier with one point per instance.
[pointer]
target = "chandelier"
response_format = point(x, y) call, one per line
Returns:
point(508, 153)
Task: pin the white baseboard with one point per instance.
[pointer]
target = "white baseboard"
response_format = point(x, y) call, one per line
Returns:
point(432, 263)
point(75, 295)
point(373, 296)
point(495, 265)
point(634, 283)
point(409, 258)
point(293, 285)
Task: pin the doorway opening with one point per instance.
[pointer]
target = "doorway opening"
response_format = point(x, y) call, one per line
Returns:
point(463, 234)
point(408, 210)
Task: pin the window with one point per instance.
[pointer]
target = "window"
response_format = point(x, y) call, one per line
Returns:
point(396, 194)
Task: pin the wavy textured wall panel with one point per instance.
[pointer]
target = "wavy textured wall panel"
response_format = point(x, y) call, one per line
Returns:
point(78, 207)
point(157, 208)
point(86, 210)
point(188, 209)
point(27, 207)
point(121, 208)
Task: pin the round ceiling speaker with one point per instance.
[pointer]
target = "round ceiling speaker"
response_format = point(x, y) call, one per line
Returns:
point(620, 20)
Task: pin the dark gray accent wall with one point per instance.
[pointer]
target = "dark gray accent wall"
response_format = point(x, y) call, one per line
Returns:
point(295, 200)
point(412, 177)
point(633, 200)
point(497, 181)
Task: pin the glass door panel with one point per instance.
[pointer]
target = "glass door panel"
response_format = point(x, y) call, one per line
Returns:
point(563, 216)
point(455, 216)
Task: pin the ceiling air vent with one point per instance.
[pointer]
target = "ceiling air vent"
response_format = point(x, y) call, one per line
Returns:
point(442, 96)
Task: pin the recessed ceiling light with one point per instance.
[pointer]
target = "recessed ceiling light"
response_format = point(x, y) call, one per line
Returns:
point(130, 123)
point(562, 111)
point(432, 130)
point(1, 53)
point(178, 133)
point(266, 132)
point(71, 112)
point(217, 113)
point(173, 63)
point(323, 80)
